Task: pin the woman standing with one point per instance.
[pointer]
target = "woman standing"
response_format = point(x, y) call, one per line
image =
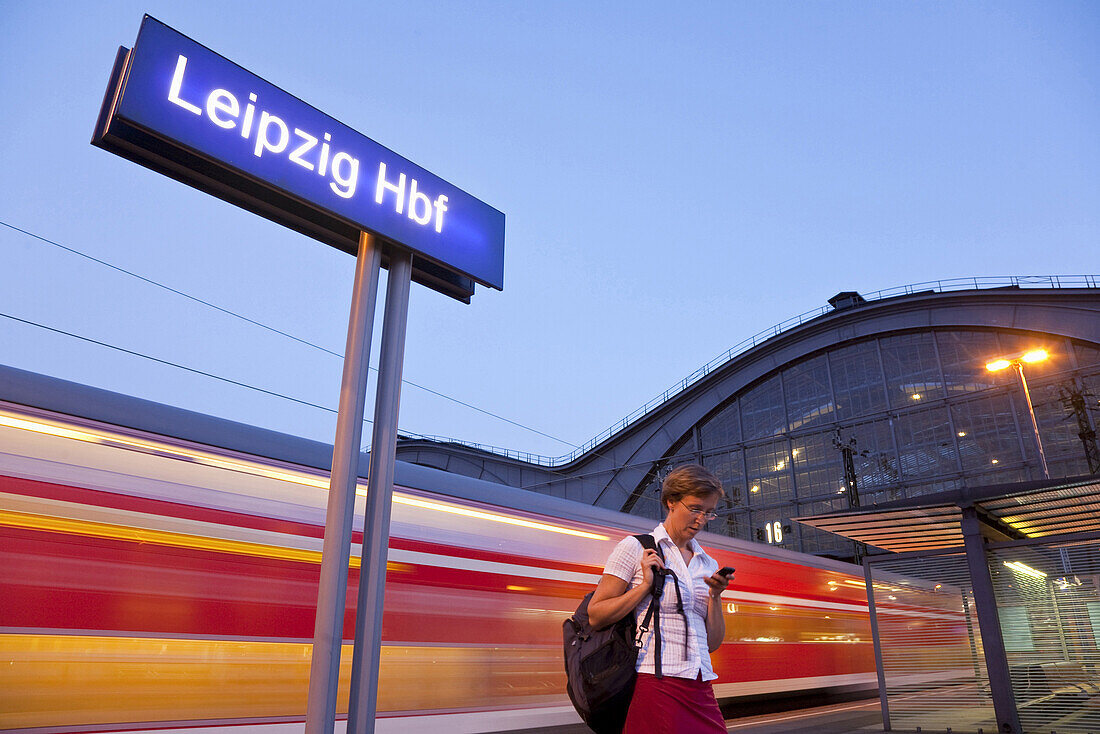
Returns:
point(682, 700)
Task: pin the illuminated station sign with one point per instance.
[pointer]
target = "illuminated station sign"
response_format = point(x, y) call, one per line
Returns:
point(177, 107)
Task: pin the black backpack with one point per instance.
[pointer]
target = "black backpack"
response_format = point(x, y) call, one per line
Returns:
point(599, 664)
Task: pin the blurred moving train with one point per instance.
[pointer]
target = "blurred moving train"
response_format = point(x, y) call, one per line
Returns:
point(158, 569)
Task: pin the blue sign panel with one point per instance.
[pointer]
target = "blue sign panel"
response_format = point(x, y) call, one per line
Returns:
point(185, 95)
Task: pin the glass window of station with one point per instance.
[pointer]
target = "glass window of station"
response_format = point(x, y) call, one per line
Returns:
point(887, 418)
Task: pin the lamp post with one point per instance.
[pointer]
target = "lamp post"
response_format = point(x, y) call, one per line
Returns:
point(1017, 364)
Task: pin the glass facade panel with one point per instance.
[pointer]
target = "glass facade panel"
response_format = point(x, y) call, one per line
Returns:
point(762, 410)
point(809, 395)
point(875, 460)
point(721, 430)
point(912, 372)
point(964, 355)
point(1002, 476)
point(769, 473)
point(1086, 355)
point(857, 380)
point(943, 485)
point(1091, 394)
point(735, 525)
point(728, 466)
point(775, 445)
point(987, 434)
point(1057, 425)
point(818, 465)
point(878, 495)
point(925, 444)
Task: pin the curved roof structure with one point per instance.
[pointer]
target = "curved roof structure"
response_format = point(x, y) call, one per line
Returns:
point(899, 379)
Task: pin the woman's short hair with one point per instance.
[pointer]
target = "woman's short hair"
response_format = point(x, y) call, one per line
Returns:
point(689, 480)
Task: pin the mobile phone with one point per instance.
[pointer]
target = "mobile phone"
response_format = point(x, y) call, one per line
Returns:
point(726, 570)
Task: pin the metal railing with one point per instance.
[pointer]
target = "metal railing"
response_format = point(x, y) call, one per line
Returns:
point(934, 286)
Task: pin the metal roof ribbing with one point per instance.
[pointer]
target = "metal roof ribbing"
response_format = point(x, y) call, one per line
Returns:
point(1031, 509)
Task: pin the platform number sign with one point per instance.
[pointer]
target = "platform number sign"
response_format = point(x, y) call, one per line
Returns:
point(773, 532)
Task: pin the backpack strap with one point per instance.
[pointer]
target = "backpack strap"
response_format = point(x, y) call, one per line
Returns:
point(654, 610)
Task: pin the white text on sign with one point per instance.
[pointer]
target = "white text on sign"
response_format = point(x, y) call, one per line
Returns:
point(268, 133)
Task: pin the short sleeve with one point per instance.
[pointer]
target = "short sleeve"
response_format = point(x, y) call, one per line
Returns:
point(623, 561)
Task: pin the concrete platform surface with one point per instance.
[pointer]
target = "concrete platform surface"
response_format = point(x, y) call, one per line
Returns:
point(863, 717)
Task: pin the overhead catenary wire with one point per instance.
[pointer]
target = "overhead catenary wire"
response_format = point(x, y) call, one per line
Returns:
point(234, 314)
point(192, 370)
point(166, 362)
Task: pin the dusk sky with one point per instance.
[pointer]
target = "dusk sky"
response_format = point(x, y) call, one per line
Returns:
point(675, 177)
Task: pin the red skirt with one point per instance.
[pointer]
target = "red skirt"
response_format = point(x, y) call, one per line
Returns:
point(673, 706)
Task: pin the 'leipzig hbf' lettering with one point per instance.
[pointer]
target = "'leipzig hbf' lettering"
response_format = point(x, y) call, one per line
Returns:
point(271, 134)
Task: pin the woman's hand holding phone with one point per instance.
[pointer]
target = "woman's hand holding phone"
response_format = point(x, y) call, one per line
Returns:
point(719, 581)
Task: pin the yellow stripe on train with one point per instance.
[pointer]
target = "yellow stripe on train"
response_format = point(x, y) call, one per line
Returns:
point(116, 680)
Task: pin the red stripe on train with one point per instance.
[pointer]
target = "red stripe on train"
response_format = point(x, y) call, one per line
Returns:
point(103, 498)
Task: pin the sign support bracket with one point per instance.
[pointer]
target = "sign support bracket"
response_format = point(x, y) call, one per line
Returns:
point(324, 671)
point(363, 703)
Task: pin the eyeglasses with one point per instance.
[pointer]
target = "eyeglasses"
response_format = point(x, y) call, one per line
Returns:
point(705, 514)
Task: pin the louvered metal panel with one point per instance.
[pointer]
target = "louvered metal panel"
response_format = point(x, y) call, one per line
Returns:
point(1048, 599)
point(931, 650)
point(896, 530)
point(1036, 512)
point(927, 637)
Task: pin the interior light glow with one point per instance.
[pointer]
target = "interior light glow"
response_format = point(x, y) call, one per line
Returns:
point(104, 439)
point(916, 396)
point(997, 365)
point(51, 429)
point(491, 516)
point(282, 476)
point(1035, 355)
point(271, 473)
point(1025, 569)
point(962, 433)
point(994, 461)
point(755, 488)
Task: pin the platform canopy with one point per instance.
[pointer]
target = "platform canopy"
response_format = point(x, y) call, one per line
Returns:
point(1020, 510)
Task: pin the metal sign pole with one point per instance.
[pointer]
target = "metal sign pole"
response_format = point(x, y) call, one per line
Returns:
point(366, 655)
point(328, 633)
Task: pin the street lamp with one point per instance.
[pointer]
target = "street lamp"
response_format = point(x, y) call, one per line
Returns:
point(1017, 364)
